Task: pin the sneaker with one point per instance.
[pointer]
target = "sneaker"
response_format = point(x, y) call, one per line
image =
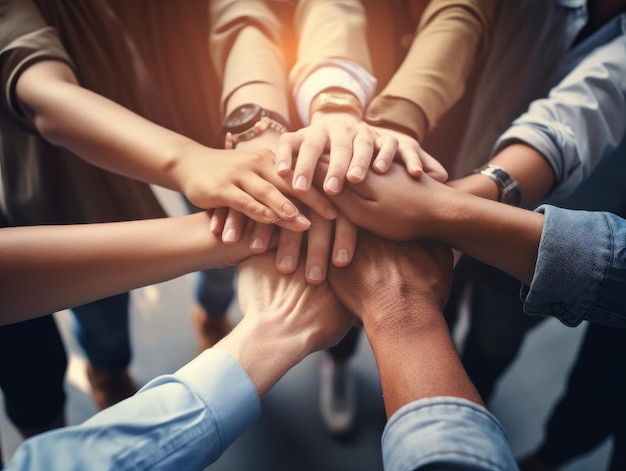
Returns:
point(337, 397)
point(210, 329)
point(109, 387)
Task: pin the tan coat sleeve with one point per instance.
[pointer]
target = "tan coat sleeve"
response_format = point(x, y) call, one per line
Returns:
point(452, 37)
point(248, 40)
point(329, 29)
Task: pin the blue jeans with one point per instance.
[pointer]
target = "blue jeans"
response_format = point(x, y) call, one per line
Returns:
point(102, 330)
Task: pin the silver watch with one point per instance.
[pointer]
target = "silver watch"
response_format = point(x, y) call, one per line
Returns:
point(510, 189)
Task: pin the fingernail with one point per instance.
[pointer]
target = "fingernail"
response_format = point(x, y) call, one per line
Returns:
point(302, 221)
point(331, 213)
point(333, 184)
point(315, 273)
point(271, 215)
point(381, 165)
point(342, 256)
point(301, 183)
point(213, 224)
point(257, 243)
point(289, 210)
point(281, 166)
point(230, 235)
point(357, 172)
point(286, 263)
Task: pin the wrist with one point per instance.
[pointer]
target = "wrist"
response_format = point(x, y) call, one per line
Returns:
point(264, 355)
point(335, 100)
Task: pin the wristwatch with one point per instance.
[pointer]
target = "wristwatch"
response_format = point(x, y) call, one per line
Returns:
point(250, 120)
point(510, 189)
point(336, 100)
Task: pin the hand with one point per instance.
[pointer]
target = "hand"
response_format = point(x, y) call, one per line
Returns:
point(285, 319)
point(352, 145)
point(388, 282)
point(322, 238)
point(415, 159)
point(244, 180)
point(394, 205)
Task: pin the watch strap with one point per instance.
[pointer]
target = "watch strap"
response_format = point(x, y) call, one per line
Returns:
point(336, 101)
point(509, 188)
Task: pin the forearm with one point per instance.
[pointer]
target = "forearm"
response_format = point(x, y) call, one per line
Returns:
point(98, 129)
point(417, 359)
point(500, 235)
point(70, 265)
point(525, 165)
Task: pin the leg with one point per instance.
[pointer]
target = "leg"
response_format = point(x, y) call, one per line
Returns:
point(498, 327)
point(214, 294)
point(102, 330)
point(32, 375)
point(337, 385)
point(592, 407)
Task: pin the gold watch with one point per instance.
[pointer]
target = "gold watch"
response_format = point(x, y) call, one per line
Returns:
point(336, 100)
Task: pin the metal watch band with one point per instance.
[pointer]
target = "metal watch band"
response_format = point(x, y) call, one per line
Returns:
point(510, 189)
point(336, 101)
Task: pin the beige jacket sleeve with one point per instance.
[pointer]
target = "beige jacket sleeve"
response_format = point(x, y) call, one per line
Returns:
point(248, 43)
point(329, 29)
point(452, 37)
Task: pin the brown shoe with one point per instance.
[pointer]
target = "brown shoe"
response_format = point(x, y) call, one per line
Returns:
point(210, 329)
point(109, 387)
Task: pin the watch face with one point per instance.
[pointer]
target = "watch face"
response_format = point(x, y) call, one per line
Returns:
point(242, 118)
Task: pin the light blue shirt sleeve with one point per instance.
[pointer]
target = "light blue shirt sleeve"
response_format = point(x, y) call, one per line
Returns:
point(443, 433)
point(582, 120)
point(581, 268)
point(183, 421)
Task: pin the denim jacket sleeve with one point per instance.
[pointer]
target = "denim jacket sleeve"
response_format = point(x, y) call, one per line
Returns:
point(180, 421)
point(581, 268)
point(445, 433)
point(582, 120)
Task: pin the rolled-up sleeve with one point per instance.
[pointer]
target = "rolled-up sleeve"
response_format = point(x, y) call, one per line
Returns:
point(25, 38)
point(582, 120)
point(445, 433)
point(581, 268)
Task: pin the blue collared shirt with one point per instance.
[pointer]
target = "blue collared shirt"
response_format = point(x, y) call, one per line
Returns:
point(183, 421)
point(581, 268)
point(445, 433)
point(583, 119)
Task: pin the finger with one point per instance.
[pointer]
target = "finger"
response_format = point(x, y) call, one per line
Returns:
point(260, 237)
point(288, 251)
point(345, 241)
point(311, 148)
point(410, 155)
point(233, 227)
point(267, 193)
point(288, 143)
point(315, 200)
point(217, 220)
point(387, 148)
point(432, 167)
point(340, 157)
point(363, 151)
point(318, 249)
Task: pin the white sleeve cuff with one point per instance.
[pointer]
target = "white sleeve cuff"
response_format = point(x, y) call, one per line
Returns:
point(333, 73)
